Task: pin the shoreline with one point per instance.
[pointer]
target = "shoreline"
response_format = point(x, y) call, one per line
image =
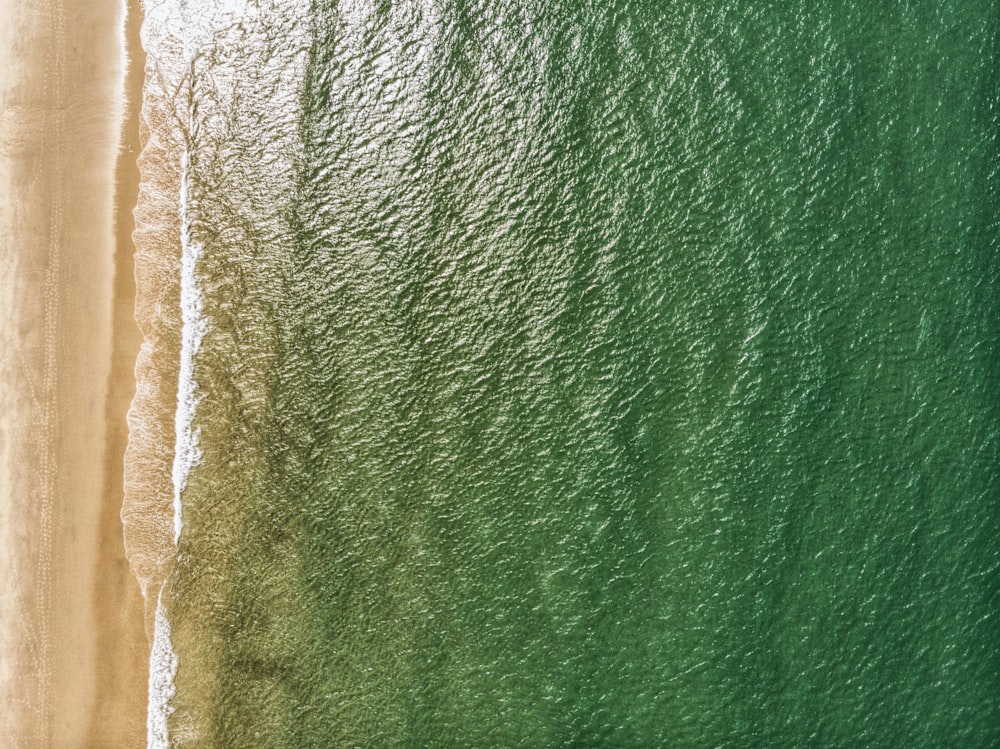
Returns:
point(71, 626)
point(121, 617)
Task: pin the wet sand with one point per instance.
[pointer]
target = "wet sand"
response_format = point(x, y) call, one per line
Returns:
point(72, 640)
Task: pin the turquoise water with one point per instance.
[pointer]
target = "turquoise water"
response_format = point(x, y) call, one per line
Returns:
point(614, 374)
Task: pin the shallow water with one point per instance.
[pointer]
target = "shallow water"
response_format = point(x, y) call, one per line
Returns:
point(587, 375)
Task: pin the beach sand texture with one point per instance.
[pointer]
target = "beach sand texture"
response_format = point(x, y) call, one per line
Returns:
point(73, 651)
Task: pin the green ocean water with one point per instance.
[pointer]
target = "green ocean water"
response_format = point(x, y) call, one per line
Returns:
point(595, 374)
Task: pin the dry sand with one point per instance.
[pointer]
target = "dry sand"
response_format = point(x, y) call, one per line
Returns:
point(73, 650)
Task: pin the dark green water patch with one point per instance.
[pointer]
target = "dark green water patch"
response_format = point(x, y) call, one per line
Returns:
point(621, 375)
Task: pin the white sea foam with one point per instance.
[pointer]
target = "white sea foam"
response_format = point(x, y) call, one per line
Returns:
point(164, 37)
point(162, 670)
point(187, 454)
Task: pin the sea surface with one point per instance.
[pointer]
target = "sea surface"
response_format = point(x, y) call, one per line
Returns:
point(572, 374)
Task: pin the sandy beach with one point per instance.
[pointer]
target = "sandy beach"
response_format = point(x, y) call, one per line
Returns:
point(72, 642)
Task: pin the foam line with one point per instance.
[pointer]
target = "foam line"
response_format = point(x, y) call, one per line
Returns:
point(162, 670)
